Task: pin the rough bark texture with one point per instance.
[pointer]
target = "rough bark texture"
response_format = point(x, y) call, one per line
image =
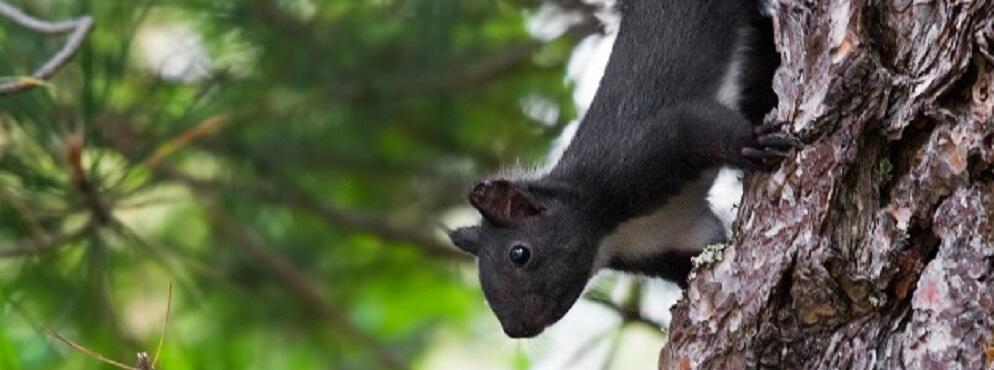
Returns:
point(873, 247)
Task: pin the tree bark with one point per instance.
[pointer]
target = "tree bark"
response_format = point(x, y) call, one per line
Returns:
point(873, 246)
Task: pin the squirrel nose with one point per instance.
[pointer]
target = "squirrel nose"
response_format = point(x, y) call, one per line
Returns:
point(522, 330)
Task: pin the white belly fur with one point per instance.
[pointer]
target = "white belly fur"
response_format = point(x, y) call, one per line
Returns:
point(675, 226)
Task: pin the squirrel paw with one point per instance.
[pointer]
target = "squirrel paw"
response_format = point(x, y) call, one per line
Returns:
point(770, 146)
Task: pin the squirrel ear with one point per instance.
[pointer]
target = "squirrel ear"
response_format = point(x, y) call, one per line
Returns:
point(466, 238)
point(503, 203)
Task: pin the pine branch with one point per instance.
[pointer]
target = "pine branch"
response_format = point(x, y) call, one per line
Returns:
point(78, 29)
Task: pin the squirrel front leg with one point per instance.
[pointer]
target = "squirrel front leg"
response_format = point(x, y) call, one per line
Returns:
point(718, 135)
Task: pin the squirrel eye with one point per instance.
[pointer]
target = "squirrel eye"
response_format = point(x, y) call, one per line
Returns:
point(520, 254)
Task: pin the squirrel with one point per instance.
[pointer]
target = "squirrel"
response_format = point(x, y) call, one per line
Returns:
point(685, 91)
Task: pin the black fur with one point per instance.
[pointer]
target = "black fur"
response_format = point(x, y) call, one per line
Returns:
point(674, 266)
point(655, 126)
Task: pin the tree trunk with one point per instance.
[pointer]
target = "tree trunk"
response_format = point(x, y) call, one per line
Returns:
point(873, 246)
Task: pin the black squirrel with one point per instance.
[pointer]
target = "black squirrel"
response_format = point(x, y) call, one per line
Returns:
point(685, 91)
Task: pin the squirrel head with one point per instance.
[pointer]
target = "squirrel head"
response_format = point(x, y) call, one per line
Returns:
point(534, 252)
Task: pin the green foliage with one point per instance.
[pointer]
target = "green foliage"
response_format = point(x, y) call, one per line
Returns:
point(265, 113)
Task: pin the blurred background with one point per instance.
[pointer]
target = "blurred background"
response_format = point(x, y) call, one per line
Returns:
point(288, 166)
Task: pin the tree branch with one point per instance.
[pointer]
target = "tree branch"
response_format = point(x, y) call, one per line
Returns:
point(298, 283)
point(292, 196)
point(49, 243)
point(629, 314)
point(470, 74)
point(78, 30)
point(343, 218)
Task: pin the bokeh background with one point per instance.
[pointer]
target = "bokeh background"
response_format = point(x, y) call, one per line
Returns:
point(289, 166)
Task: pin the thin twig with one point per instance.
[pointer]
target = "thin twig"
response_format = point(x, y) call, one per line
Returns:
point(588, 346)
point(299, 284)
point(628, 314)
point(87, 351)
point(85, 186)
point(78, 28)
point(143, 361)
point(32, 247)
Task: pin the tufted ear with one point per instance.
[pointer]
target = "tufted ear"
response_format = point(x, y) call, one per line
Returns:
point(466, 238)
point(503, 203)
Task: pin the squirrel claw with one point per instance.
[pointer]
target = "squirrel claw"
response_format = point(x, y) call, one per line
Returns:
point(771, 146)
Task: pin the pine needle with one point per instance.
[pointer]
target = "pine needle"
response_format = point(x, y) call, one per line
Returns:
point(206, 128)
point(31, 81)
point(165, 322)
point(24, 80)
